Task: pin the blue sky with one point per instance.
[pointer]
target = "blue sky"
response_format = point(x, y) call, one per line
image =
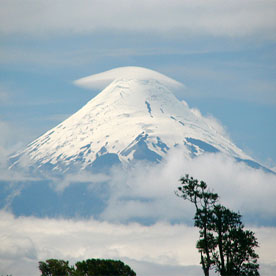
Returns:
point(224, 52)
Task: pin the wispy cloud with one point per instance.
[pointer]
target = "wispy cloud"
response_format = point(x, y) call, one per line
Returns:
point(226, 81)
point(141, 191)
point(212, 122)
point(215, 17)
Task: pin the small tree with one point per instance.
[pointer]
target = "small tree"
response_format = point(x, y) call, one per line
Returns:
point(224, 244)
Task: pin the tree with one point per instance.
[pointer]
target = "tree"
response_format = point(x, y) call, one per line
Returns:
point(53, 267)
point(223, 242)
point(90, 267)
point(98, 267)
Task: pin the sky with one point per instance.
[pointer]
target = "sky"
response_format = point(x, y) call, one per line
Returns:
point(222, 51)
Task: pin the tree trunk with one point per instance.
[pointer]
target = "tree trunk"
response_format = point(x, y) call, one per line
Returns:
point(205, 269)
point(219, 226)
point(206, 247)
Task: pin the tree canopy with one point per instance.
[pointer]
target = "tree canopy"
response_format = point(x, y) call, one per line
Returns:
point(224, 244)
point(53, 267)
point(90, 267)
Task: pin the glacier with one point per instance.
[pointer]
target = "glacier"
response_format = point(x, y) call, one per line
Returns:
point(135, 117)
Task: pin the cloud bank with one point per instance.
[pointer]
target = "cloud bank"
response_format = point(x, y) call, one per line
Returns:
point(162, 247)
point(215, 17)
point(147, 191)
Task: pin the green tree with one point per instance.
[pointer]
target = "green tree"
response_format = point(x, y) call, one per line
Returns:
point(98, 267)
point(53, 267)
point(90, 267)
point(223, 242)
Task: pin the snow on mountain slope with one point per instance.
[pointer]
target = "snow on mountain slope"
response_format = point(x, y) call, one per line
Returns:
point(136, 117)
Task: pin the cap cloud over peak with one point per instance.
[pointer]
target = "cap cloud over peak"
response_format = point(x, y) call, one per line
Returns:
point(101, 80)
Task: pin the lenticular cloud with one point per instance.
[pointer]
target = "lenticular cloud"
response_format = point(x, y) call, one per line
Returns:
point(101, 80)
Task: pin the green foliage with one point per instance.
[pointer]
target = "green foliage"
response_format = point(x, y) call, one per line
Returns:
point(223, 243)
point(53, 267)
point(97, 267)
point(90, 267)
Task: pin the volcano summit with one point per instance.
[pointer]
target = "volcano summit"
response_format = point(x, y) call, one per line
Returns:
point(135, 117)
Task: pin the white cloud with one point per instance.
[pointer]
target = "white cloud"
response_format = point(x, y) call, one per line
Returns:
point(162, 247)
point(59, 184)
point(215, 17)
point(147, 191)
point(211, 121)
point(103, 79)
point(77, 240)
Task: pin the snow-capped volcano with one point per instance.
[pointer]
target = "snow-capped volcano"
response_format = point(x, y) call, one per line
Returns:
point(135, 117)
